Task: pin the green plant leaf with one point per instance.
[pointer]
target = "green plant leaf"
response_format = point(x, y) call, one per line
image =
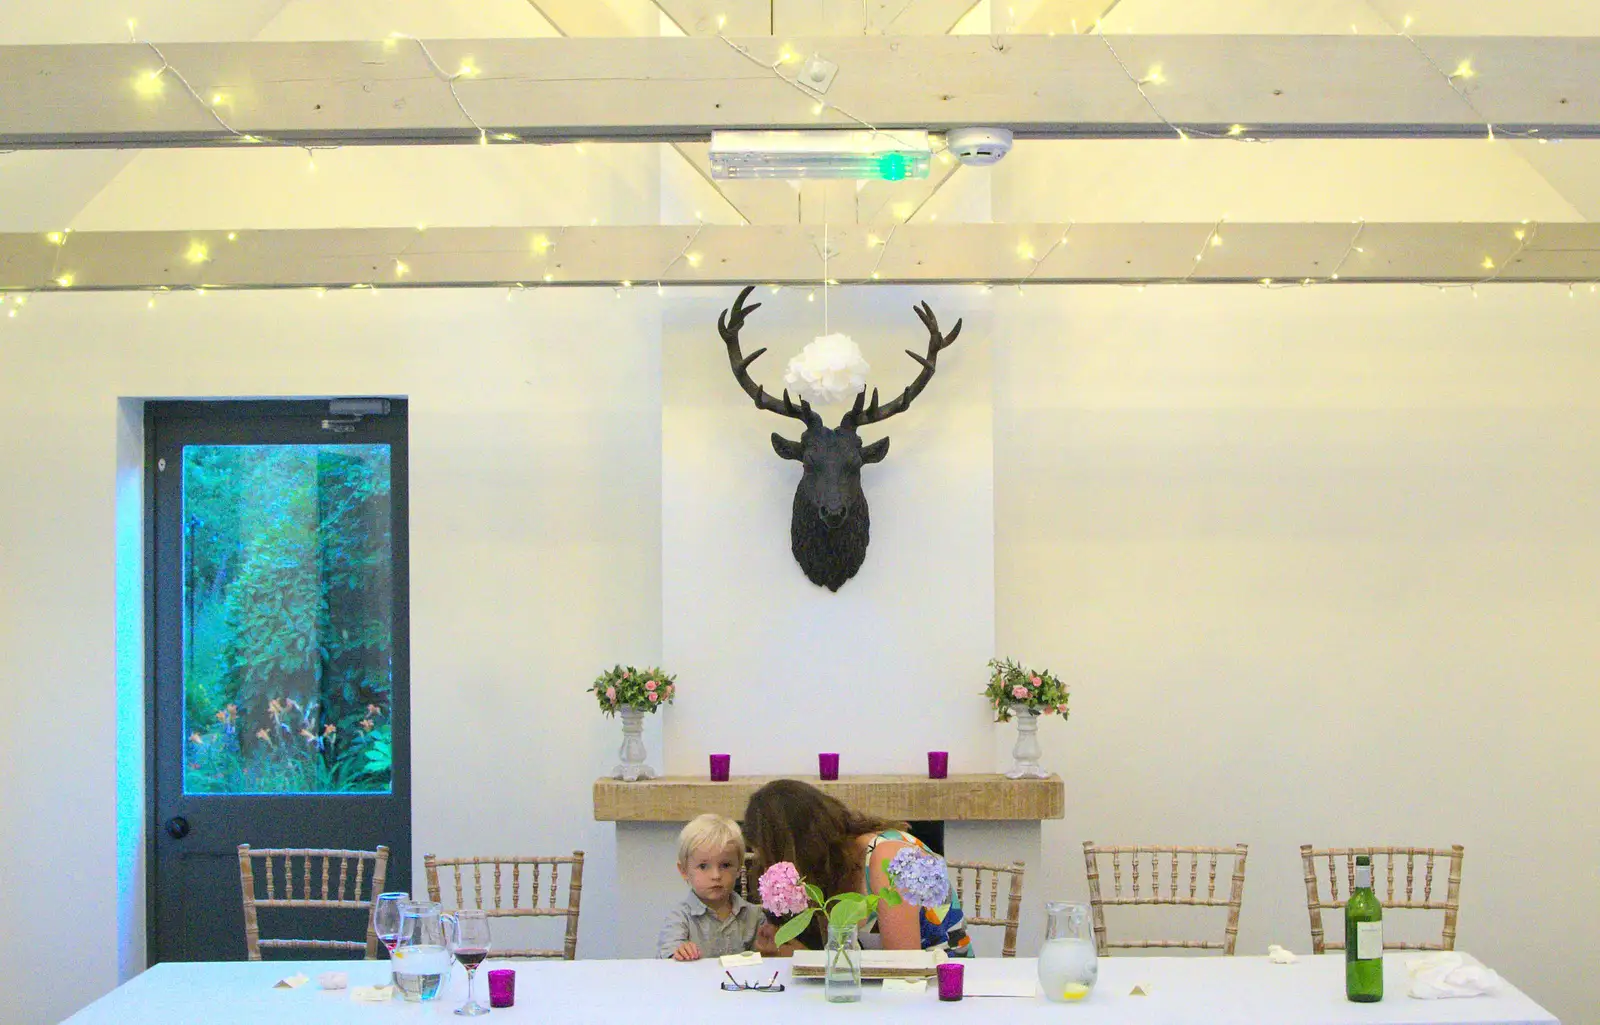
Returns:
point(814, 892)
point(890, 896)
point(793, 927)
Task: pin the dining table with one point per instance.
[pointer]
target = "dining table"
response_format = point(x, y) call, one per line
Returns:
point(1130, 991)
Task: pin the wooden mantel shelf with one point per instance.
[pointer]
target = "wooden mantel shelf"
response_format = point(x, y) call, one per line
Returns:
point(960, 798)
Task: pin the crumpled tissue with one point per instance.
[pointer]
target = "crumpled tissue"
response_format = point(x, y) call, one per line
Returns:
point(1447, 974)
point(333, 980)
point(1280, 955)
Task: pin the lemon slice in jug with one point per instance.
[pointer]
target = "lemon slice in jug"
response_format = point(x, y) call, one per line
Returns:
point(1074, 991)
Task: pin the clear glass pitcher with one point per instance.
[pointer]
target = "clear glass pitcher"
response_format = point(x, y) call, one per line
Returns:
point(1068, 963)
point(421, 957)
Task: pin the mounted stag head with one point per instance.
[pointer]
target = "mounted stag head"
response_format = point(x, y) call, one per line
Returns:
point(829, 529)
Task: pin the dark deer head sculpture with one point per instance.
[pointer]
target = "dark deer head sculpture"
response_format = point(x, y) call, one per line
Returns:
point(829, 529)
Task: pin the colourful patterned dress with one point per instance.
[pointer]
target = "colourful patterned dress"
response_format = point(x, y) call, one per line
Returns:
point(943, 928)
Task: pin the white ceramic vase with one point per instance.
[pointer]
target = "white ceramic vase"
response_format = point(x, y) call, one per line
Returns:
point(632, 767)
point(1025, 753)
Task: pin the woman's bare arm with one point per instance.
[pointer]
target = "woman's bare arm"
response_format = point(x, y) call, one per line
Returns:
point(899, 926)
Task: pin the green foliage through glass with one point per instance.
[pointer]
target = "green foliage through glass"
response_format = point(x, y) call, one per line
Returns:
point(287, 619)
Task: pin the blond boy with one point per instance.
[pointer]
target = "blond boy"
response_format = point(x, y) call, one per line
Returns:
point(713, 920)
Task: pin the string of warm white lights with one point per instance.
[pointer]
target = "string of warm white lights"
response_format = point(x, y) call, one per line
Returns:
point(1352, 247)
point(1464, 70)
point(820, 103)
point(1155, 77)
point(1524, 237)
point(1213, 238)
point(882, 245)
point(686, 254)
point(468, 69)
point(1026, 252)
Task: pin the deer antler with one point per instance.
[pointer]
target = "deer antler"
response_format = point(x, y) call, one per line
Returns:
point(728, 324)
point(863, 413)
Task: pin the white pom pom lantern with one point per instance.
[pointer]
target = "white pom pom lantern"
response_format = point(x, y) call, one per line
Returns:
point(829, 370)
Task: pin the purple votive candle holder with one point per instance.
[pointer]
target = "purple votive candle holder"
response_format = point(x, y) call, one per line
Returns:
point(938, 764)
point(951, 979)
point(503, 987)
point(719, 768)
point(828, 765)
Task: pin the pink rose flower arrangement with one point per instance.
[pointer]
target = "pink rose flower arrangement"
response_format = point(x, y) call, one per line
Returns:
point(1012, 686)
point(621, 686)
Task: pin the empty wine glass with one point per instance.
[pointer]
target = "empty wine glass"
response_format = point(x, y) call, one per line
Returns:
point(386, 918)
point(470, 944)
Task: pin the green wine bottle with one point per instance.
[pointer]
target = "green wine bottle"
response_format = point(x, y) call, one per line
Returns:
point(1363, 939)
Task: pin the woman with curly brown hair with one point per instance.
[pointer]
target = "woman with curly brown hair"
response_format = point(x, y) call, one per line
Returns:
point(843, 851)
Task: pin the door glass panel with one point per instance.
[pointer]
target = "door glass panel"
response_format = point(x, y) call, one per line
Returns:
point(287, 619)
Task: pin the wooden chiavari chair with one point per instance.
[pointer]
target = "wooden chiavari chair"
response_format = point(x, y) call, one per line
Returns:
point(1450, 905)
point(1166, 888)
point(316, 889)
point(505, 877)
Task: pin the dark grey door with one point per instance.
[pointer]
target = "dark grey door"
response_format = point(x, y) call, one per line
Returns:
point(278, 655)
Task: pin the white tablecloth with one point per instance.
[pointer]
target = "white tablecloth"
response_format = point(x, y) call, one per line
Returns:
point(1182, 991)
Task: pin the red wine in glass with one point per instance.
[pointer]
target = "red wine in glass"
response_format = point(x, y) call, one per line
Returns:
point(471, 957)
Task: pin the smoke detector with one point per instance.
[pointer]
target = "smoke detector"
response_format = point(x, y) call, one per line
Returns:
point(978, 147)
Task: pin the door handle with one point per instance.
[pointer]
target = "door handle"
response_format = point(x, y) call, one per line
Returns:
point(177, 827)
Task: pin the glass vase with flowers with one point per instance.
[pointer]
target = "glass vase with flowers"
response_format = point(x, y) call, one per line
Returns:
point(915, 877)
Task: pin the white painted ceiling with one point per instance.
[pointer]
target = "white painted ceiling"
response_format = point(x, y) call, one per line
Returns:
point(1287, 180)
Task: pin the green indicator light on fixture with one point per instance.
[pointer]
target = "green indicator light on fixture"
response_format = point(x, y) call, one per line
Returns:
point(892, 166)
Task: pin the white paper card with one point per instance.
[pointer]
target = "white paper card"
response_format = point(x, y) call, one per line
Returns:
point(999, 977)
point(905, 985)
point(745, 960)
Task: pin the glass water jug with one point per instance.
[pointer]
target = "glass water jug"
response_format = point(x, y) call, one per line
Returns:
point(421, 955)
point(1068, 963)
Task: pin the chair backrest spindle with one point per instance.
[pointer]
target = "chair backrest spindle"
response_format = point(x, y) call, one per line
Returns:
point(1321, 942)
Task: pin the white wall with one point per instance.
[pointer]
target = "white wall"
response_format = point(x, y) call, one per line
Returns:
point(776, 668)
point(1320, 565)
point(528, 451)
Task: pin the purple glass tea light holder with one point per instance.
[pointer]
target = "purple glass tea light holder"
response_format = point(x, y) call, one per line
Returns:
point(828, 765)
point(719, 768)
point(952, 978)
point(502, 987)
point(938, 764)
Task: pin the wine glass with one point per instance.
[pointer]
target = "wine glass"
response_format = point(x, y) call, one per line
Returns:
point(470, 944)
point(386, 918)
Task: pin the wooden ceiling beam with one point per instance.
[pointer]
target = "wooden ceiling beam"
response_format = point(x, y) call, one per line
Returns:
point(1108, 253)
point(680, 89)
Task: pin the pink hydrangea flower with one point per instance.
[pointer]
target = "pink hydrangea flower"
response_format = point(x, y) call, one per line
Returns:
point(1019, 692)
point(780, 889)
point(653, 696)
point(649, 685)
point(611, 694)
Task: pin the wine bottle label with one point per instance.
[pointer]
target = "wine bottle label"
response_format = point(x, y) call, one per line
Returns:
point(1369, 940)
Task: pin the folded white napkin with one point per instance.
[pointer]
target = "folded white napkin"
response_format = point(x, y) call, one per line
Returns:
point(294, 981)
point(1447, 974)
point(1280, 955)
point(372, 994)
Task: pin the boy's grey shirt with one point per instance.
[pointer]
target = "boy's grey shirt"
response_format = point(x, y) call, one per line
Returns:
point(690, 921)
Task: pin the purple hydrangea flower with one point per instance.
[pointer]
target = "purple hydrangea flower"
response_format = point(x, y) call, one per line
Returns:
point(920, 877)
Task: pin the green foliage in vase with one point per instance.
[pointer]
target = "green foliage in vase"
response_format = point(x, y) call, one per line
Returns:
point(842, 911)
point(1011, 684)
point(648, 688)
point(288, 599)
